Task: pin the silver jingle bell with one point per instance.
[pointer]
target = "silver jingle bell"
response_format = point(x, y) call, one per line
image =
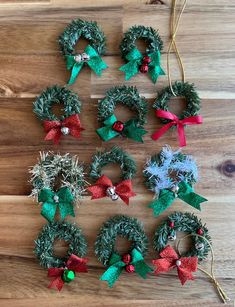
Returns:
point(199, 246)
point(110, 192)
point(178, 263)
point(56, 198)
point(172, 237)
point(78, 58)
point(175, 189)
point(85, 57)
point(65, 130)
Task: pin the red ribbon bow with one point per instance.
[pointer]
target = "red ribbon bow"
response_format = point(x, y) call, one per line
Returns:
point(169, 260)
point(192, 120)
point(122, 189)
point(54, 128)
point(74, 264)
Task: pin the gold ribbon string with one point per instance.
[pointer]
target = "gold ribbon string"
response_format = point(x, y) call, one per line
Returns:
point(174, 25)
point(211, 275)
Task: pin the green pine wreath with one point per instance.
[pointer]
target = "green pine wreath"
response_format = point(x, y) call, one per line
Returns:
point(66, 124)
point(185, 222)
point(62, 231)
point(135, 60)
point(56, 194)
point(114, 155)
point(133, 128)
point(181, 89)
point(91, 56)
point(133, 261)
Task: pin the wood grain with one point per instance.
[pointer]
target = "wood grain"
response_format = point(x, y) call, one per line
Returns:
point(30, 61)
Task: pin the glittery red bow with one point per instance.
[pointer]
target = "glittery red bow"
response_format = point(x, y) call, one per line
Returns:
point(55, 129)
point(122, 189)
point(169, 260)
point(175, 121)
point(74, 264)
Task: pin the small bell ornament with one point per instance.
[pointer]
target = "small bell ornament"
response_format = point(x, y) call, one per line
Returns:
point(144, 68)
point(85, 57)
point(172, 236)
point(78, 58)
point(65, 130)
point(110, 192)
point(199, 246)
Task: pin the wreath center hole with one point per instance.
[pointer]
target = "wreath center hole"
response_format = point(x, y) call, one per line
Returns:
point(177, 105)
point(122, 245)
point(185, 244)
point(60, 248)
point(113, 171)
point(58, 109)
point(123, 113)
point(142, 45)
point(173, 175)
point(81, 45)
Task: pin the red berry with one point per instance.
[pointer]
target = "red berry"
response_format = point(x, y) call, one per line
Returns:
point(130, 268)
point(200, 232)
point(171, 224)
point(118, 126)
point(126, 259)
point(146, 59)
point(144, 68)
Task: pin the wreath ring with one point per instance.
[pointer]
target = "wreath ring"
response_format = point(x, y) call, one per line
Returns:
point(68, 123)
point(91, 56)
point(135, 60)
point(181, 89)
point(62, 231)
point(103, 186)
point(44, 177)
point(171, 175)
point(133, 128)
point(131, 229)
point(186, 222)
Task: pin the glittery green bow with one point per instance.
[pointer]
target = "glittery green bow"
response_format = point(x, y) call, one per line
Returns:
point(130, 130)
point(116, 266)
point(135, 59)
point(166, 197)
point(50, 199)
point(94, 61)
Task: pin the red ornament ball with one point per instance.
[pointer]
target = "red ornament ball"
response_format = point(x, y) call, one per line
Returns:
point(144, 68)
point(171, 224)
point(200, 232)
point(126, 259)
point(118, 126)
point(130, 268)
point(146, 59)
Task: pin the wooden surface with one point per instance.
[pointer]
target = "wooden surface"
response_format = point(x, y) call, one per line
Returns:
point(30, 61)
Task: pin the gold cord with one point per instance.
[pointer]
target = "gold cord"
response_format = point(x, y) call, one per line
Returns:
point(211, 275)
point(174, 24)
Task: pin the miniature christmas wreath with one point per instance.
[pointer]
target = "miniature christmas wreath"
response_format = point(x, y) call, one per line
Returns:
point(133, 261)
point(171, 175)
point(68, 123)
point(92, 54)
point(133, 128)
point(62, 270)
point(188, 117)
point(136, 61)
point(44, 177)
point(104, 186)
point(188, 223)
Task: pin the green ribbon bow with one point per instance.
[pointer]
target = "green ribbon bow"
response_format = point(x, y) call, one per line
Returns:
point(185, 193)
point(95, 62)
point(50, 199)
point(135, 59)
point(116, 266)
point(130, 130)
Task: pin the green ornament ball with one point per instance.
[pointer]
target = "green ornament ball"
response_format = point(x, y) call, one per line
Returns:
point(68, 276)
